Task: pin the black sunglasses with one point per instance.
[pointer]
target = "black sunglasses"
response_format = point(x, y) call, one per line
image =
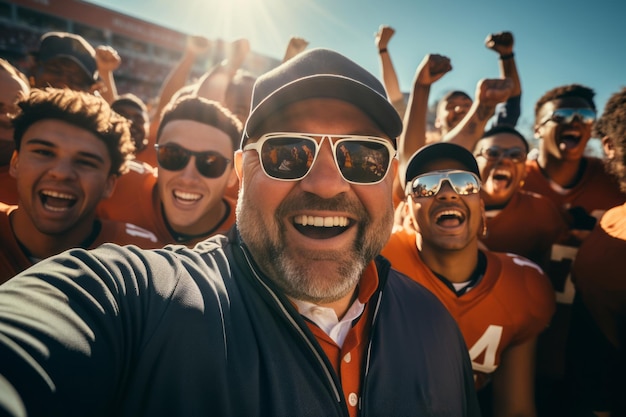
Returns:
point(495, 153)
point(173, 157)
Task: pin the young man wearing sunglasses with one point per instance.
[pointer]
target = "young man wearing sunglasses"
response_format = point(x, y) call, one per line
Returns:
point(533, 219)
point(291, 314)
point(185, 202)
point(501, 301)
point(564, 118)
point(70, 148)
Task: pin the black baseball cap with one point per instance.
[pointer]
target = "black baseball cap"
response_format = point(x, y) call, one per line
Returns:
point(71, 46)
point(321, 73)
point(439, 150)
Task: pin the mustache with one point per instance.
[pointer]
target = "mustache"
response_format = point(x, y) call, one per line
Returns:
point(309, 201)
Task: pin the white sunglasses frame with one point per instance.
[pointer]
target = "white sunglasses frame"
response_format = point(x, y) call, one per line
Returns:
point(338, 139)
point(445, 176)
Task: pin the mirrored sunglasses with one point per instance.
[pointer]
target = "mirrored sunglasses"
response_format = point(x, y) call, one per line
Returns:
point(566, 115)
point(173, 157)
point(495, 153)
point(428, 185)
point(290, 156)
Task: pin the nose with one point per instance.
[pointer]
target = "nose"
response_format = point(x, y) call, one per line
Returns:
point(446, 192)
point(62, 169)
point(324, 179)
point(190, 171)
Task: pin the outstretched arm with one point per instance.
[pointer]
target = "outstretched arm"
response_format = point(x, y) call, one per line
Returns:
point(390, 78)
point(294, 47)
point(177, 78)
point(413, 137)
point(507, 113)
point(213, 84)
point(107, 60)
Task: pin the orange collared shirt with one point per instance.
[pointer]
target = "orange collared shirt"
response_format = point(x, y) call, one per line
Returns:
point(347, 360)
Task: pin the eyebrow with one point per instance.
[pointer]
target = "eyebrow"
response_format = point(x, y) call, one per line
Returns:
point(43, 142)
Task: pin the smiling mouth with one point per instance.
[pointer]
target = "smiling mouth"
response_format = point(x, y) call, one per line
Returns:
point(186, 198)
point(318, 227)
point(56, 201)
point(450, 218)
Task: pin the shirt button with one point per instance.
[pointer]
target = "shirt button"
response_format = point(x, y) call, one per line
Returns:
point(353, 399)
point(347, 358)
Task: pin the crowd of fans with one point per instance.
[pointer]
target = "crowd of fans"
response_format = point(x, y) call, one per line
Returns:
point(98, 148)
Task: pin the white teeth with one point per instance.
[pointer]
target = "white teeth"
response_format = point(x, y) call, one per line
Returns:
point(56, 209)
point(187, 196)
point(450, 213)
point(319, 221)
point(56, 194)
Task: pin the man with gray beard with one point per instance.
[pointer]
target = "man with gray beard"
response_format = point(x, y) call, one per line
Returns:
point(293, 313)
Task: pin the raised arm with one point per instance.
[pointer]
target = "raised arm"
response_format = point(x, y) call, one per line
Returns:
point(213, 84)
point(390, 78)
point(413, 137)
point(177, 78)
point(508, 112)
point(107, 60)
point(294, 47)
point(489, 92)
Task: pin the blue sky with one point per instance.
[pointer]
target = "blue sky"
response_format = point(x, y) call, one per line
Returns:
point(556, 42)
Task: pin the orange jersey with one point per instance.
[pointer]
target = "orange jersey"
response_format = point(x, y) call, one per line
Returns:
point(595, 191)
point(598, 273)
point(13, 259)
point(527, 226)
point(8, 186)
point(136, 200)
point(512, 303)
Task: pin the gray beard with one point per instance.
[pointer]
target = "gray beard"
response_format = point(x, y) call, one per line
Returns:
point(298, 276)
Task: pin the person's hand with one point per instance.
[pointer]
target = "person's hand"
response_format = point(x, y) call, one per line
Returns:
point(239, 48)
point(432, 68)
point(197, 45)
point(107, 59)
point(382, 37)
point(501, 42)
point(297, 45)
point(491, 91)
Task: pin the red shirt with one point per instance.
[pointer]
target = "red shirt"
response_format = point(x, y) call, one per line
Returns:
point(8, 186)
point(527, 226)
point(13, 259)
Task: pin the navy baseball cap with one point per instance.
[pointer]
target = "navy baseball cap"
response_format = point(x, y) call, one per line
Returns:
point(439, 150)
point(321, 73)
point(71, 46)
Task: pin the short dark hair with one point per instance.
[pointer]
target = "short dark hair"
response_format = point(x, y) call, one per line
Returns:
point(453, 93)
point(570, 90)
point(505, 129)
point(129, 99)
point(612, 124)
point(80, 109)
point(202, 110)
